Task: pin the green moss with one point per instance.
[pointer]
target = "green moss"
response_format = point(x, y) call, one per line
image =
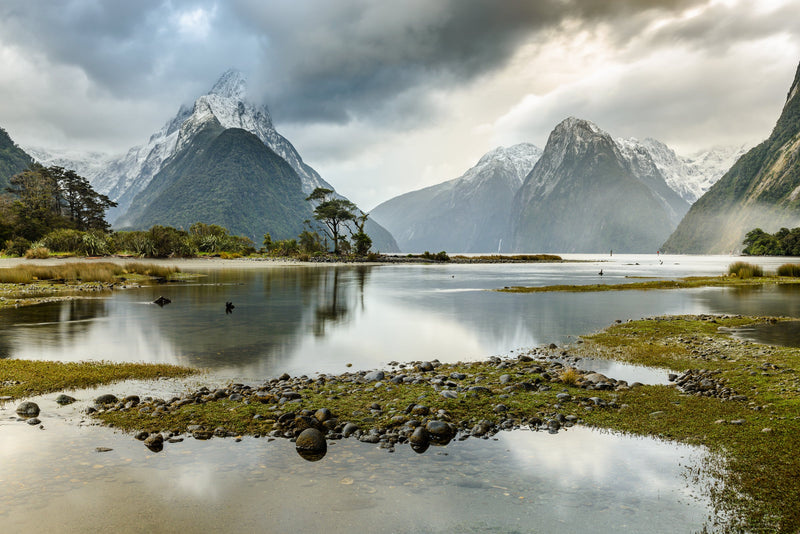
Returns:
point(25, 378)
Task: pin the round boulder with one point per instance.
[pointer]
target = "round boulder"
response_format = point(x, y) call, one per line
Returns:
point(108, 398)
point(374, 376)
point(311, 444)
point(154, 442)
point(419, 440)
point(440, 432)
point(65, 399)
point(28, 409)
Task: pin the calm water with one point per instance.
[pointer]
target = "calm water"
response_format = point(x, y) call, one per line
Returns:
point(304, 320)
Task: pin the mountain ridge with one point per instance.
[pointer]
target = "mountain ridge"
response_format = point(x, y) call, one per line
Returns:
point(762, 189)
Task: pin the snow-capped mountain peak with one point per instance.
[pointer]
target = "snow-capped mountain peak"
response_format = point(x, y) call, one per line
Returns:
point(232, 84)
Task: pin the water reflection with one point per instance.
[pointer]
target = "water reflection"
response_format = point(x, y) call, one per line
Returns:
point(784, 333)
point(575, 481)
point(303, 320)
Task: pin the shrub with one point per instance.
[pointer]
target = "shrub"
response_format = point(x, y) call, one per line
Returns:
point(63, 240)
point(17, 246)
point(742, 269)
point(95, 243)
point(37, 252)
point(789, 269)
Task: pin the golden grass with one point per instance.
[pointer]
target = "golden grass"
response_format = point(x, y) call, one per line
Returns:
point(84, 272)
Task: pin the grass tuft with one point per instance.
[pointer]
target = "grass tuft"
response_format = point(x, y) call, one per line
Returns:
point(742, 269)
point(789, 269)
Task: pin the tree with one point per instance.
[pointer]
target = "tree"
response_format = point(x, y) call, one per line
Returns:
point(334, 213)
point(362, 241)
point(47, 198)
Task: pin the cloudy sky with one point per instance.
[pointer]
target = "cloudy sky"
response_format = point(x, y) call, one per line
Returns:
point(386, 97)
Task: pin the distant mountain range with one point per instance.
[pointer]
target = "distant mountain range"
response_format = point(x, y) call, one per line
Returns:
point(586, 192)
point(467, 214)
point(123, 179)
point(761, 190)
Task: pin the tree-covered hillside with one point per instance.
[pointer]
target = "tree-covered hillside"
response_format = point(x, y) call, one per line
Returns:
point(229, 178)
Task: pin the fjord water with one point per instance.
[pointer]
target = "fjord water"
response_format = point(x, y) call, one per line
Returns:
point(305, 320)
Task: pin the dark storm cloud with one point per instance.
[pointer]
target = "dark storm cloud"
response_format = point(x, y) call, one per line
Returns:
point(333, 60)
point(317, 60)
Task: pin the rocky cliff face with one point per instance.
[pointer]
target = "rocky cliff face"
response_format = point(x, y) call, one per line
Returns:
point(587, 193)
point(762, 189)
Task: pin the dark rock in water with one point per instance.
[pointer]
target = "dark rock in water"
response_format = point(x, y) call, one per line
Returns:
point(65, 399)
point(154, 442)
point(102, 449)
point(311, 444)
point(141, 436)
point(28, 409)
point(440, 432)
point(108, 398)
point(33, 421)
point(349, 429)
point(483, 427)
point(162, 301)
point(202, 434)
point(419, 439)
point(133, 399)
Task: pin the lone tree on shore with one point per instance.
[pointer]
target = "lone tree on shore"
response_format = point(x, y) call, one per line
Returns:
point(334, 213)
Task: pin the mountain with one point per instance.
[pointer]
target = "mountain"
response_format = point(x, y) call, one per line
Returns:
point(587, 193)
point(13, 160)
point(123, 178)
point(467, 214)
point(762, 189)
point(690, 176)
point(226, 177)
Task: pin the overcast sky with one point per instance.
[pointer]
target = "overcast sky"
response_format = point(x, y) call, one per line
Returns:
point(387, 97)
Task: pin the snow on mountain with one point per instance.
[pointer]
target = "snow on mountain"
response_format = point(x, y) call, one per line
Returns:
point(690, 176)
point(122, 178)
point(88, 164)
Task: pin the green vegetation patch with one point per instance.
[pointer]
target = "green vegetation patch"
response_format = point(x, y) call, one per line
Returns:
point(26, 378)
point(682, 283)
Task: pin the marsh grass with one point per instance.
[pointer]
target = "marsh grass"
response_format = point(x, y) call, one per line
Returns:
point(26, 378)
point(38, 253)
point(105, 272)
point(745, 270)
point(570, 376)
point(789, 269)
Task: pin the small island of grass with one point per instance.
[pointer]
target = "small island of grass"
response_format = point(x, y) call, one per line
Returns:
point(740, 274)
